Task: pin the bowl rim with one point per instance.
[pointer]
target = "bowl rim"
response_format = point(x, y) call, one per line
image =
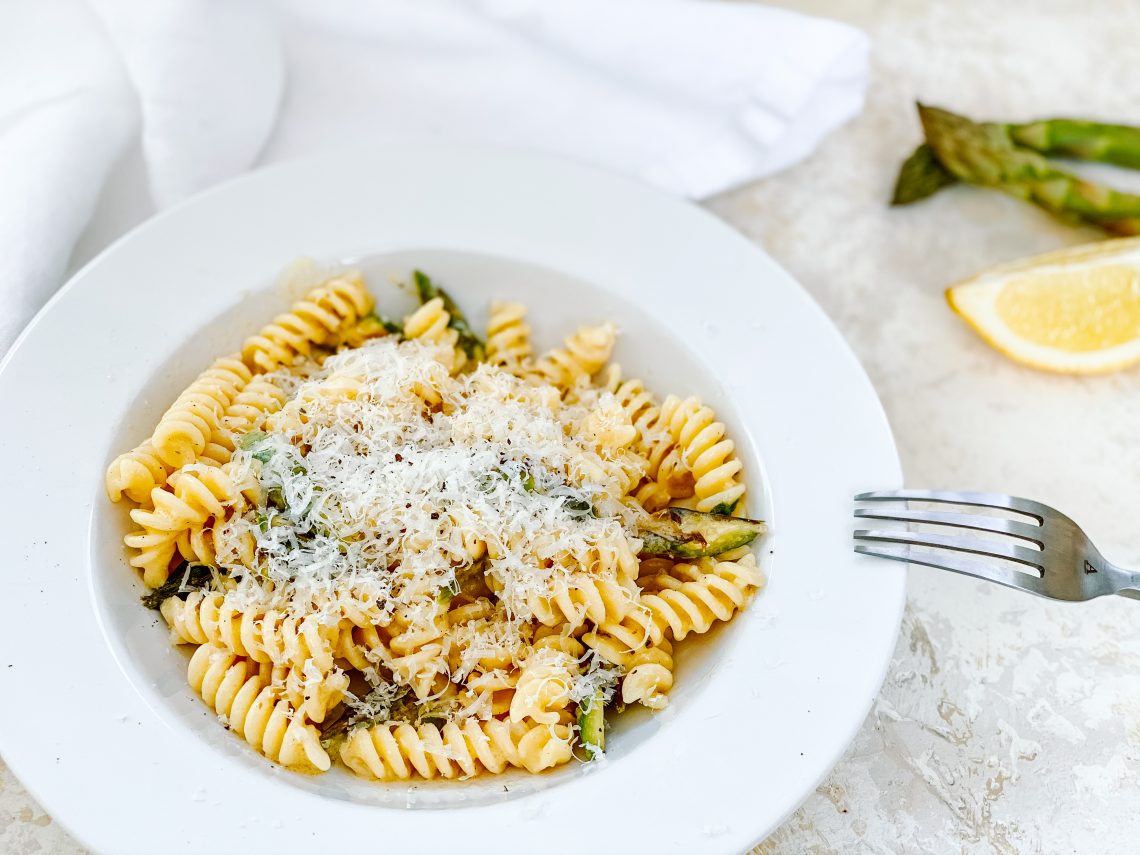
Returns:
point(827, 624)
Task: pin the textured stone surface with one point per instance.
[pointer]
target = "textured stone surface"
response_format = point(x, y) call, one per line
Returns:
point(1006, 724)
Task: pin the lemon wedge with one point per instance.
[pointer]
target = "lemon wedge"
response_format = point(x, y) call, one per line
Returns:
point(1074, 311)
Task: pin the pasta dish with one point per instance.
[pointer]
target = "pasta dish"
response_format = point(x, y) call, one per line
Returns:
point(428, 553)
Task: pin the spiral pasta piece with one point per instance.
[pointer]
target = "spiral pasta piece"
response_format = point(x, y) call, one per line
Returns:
point(649, 677)
point(367, 328)
point(652, 496)
point(135, 473)
point(499, 684)
point(361, 607)
point(188, 431)
point(544, 685)
point(362, 646)
point(673, 475)
point(189, 425)
point(260, 397)
point(582, 355)
point(262, 636)
point(420, 670)
point(430, 322)
point(408, 637)
point(316, 319)
point(638, 403)
point(400, 751)
point(508, 335)
point(666, 477)
point(281, 638)
point(478, 609)
point(191, 500)
point(236, 691)
point(643, 653)
point(610, 428)
point(690, 598)
point(312, 692)
point(614, 558)
point(583, 597)
point(621, 472)
point(706, 452)
point(475, 641)
point(546, 638)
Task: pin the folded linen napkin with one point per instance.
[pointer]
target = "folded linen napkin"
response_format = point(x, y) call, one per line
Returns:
point(695, 97)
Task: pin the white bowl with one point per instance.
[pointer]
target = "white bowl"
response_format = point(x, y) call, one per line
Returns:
point(98, 722)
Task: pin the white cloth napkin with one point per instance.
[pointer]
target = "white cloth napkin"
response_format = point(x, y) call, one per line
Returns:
point(695, 97)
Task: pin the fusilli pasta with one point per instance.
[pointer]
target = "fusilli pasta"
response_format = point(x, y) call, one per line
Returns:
point(431, 322)
point(508, 336)
point(399, 751)
point(262, 636)
point(583, 354)
point(231, 687)
point(135, 473)
point(706, 452)
point(180, 517)
point(189, 426)
point(314, 320)
point(424, 556)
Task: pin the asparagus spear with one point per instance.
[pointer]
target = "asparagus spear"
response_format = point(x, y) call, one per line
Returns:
point(426, 290)
point(683, 533)
point(592, 724)
point(1096, 141)
point(921, 176)
point(986, 155)
point(192, 575)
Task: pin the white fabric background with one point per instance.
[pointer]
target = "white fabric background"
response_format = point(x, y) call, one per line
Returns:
point(695, 97)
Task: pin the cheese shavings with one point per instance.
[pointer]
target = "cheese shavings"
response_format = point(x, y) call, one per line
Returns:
point(597, 676)
point(383, 475)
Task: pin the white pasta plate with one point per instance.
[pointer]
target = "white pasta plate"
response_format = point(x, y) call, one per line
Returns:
point(97, 720)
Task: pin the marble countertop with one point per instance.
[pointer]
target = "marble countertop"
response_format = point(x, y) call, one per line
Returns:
point(1006, 723)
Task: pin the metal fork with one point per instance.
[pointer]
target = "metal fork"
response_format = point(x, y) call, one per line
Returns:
point(1059, 560)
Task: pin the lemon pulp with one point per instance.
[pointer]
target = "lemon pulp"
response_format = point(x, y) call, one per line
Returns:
point(1076, 311)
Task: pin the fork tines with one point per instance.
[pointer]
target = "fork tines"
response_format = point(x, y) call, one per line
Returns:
point(1014, 556)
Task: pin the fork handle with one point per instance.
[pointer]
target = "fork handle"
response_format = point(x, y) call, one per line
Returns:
point(1129, 582)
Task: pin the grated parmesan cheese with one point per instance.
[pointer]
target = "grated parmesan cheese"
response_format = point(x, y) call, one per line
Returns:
point(384, 474)
point(598, 675)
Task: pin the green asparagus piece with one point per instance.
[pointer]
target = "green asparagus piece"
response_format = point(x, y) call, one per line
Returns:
point(193, 575)
point(1095, 141)
point(471, 344)
point(921, 176)
point(684, 533)
point(987, 156)
point(592, 724)
point(375, 324)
